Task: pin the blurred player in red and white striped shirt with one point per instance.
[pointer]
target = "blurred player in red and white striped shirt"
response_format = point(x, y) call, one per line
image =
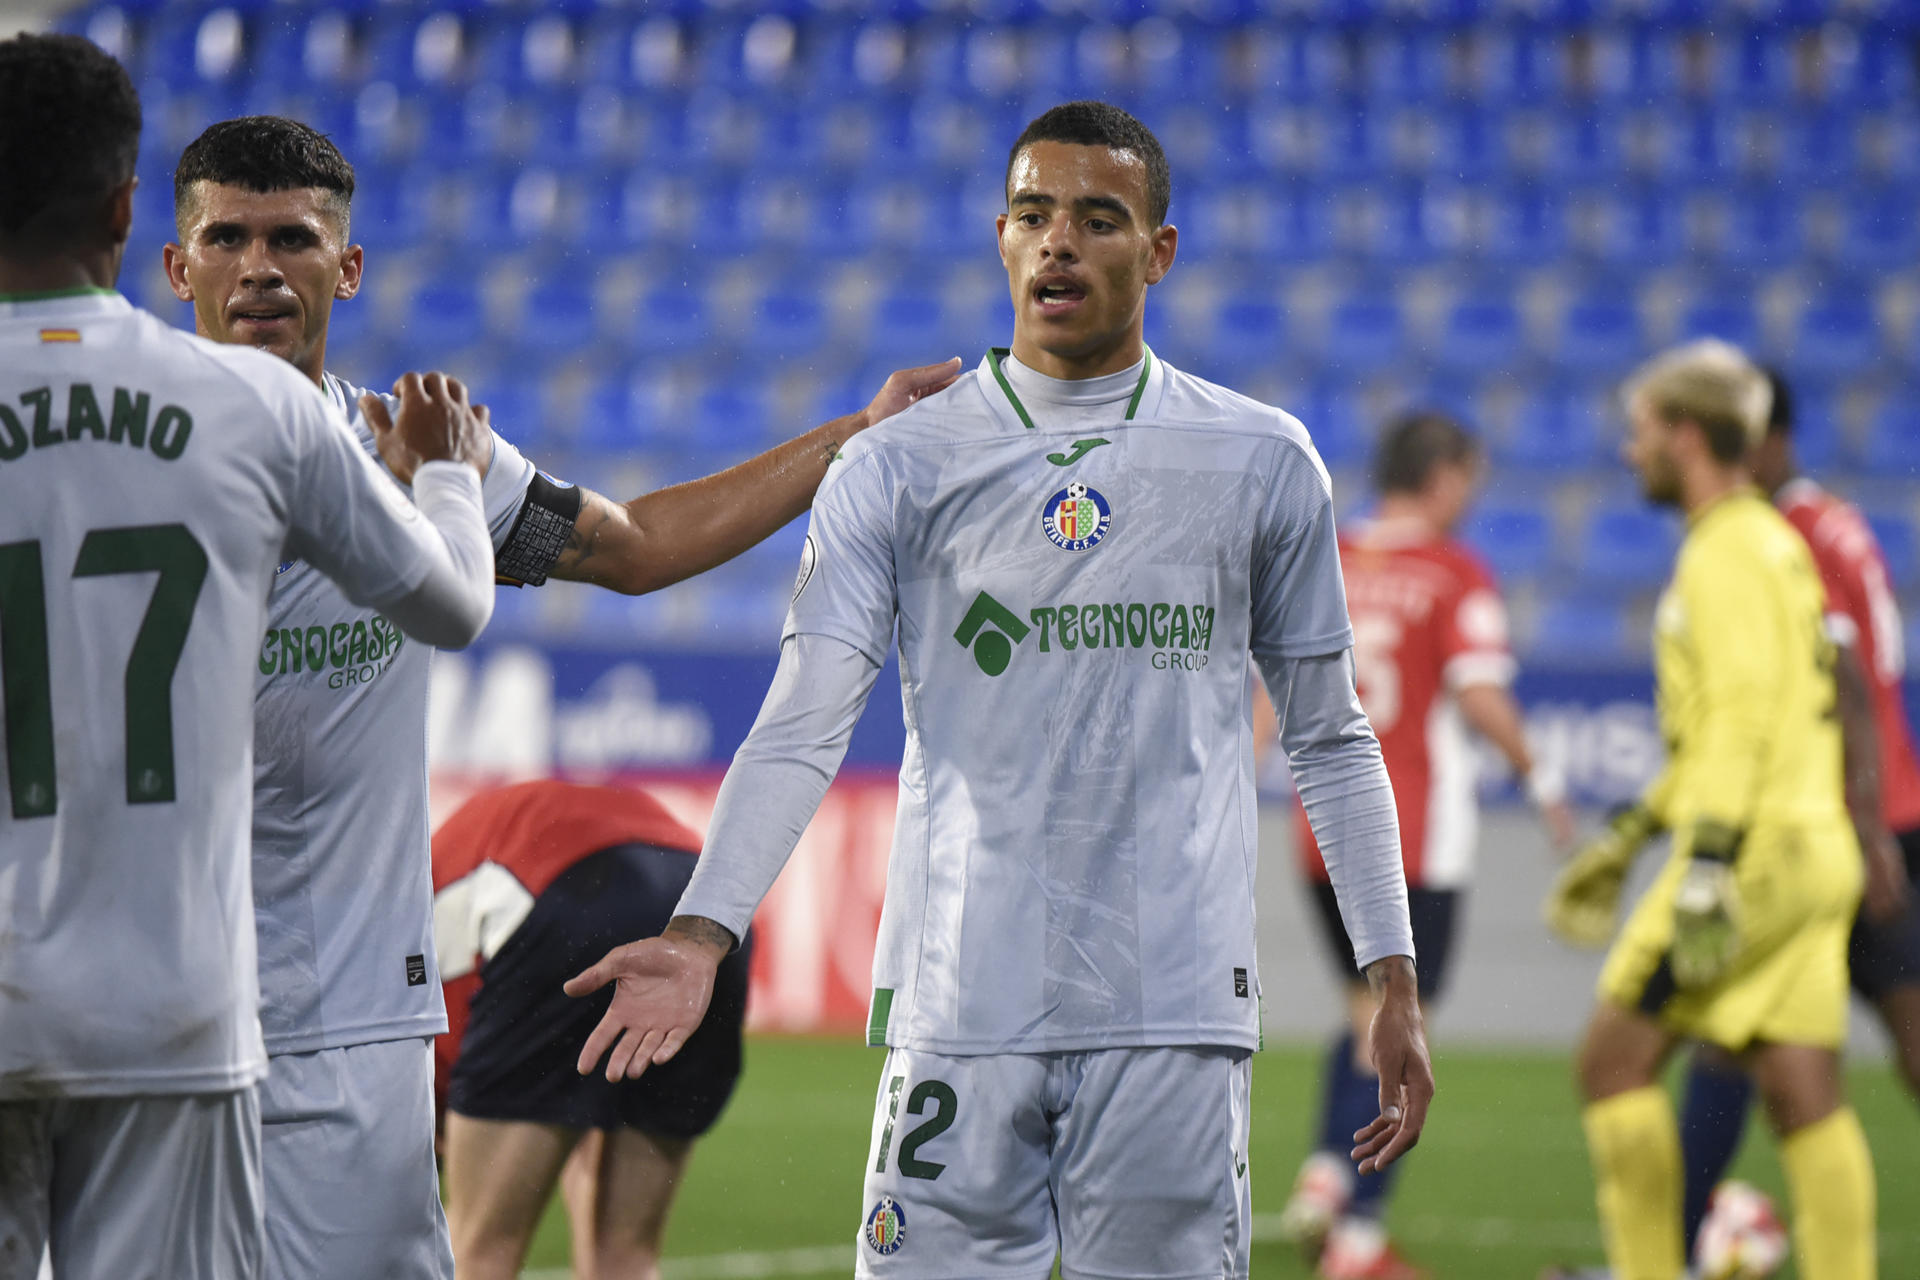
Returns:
point(1431, 660)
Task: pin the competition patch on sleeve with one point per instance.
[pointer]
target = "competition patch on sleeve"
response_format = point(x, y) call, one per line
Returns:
point(808, 557)
point(59, 335)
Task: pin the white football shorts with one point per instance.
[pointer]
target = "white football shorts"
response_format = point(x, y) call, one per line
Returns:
point(1126, 1163)
point(347, 1141)
point(161, 1187)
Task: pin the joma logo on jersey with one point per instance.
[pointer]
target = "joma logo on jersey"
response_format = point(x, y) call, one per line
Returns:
point(1181, 636)
point(351, 653)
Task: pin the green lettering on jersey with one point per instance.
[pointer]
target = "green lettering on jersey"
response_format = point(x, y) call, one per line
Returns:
point(290, 651)
point(337, 645)
point(13, 436)
point(1203, 627)
point(1114, 617)
point(41, 400)
point(266, 652)
point(129, 425)
point(357, 645)
point(1177, 634)
point(315, 644)
point(1137, 625)
point(1043, 619)
point(1157, 625)
point(1090, 625)
point(1069, 626)
point(170, 432)
point(83, 413)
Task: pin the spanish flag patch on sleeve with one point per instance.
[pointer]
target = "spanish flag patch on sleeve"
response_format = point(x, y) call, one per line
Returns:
point(59, 335)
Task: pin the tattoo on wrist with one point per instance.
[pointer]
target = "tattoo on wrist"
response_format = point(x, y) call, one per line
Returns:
point(703, 931)
point(1381, 973)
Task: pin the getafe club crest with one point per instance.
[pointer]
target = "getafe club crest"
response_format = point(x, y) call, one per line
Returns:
point(887, 1226)
point(1076, 518)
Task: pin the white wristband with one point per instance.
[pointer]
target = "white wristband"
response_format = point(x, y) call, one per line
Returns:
point(1546, 784)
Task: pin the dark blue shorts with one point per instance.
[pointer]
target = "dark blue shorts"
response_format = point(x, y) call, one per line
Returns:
point(524, 1034)
point(1433, 912)
point(1885, 955)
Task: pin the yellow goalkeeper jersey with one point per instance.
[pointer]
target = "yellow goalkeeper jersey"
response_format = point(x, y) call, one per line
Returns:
point(1745, 676)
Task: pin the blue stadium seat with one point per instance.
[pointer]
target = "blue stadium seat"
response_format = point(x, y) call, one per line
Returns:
point(1248, 330)
point(1555, 429)
point(445, 316)
point(1516, 540)
point(734, 416)
point(558, 318)
point(631, 411)
point(1364, 334)
point(1893, 445)
point(1818, 440)
point(909, 327)
point(1762, 229)
point(1643, 229)
point(517, 408)
point(788, 322)
point(1600, 335)
point(1894, 531)
point(1528, 226)
point(1627, 548)
point(1482, 333)
point(1728, 317)
point(1580, 630)
point(1881, 232)
point(673, 319)
point(1340, 432)
point(1838, 335)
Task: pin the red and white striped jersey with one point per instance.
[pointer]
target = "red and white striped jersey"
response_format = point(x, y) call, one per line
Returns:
point(1862, 613)
point(1427, 621)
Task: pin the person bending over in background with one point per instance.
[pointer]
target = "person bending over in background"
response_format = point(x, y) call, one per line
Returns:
point(532, 883)
point(1431, 658)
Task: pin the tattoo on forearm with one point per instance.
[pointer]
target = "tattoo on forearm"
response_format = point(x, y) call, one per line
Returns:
point(581, 543)
point(704, 931)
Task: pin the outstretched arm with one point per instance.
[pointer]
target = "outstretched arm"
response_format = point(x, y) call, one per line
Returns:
point(673, 534)
point(776, 782)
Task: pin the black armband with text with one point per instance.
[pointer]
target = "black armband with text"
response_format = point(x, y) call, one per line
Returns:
point(539, 532)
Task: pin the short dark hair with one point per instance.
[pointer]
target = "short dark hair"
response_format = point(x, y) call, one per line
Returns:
point(263, 153)
point(1780, 412)
point(1101, 124)
point(69, 134)
point(1413, 444)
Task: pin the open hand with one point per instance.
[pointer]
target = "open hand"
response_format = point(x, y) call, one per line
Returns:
point(1399, 1040)
point(905, 386)
point(436, 424)
point(662, 987)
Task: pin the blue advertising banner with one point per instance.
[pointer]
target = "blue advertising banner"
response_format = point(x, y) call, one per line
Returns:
point(510, 709)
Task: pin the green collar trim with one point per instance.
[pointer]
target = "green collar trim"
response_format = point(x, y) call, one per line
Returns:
point(47, 295)
point(996, 354)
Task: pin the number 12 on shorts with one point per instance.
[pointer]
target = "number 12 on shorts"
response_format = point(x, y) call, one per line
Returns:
point(945, 1106)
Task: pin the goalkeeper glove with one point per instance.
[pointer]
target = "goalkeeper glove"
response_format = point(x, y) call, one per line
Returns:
point(1586, 894)
point(1706, 909)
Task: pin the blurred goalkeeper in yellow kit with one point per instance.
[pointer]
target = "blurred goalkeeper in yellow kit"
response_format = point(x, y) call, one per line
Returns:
point(1742, 940)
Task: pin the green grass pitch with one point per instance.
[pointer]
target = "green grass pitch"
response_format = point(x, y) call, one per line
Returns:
point(1498, 1188)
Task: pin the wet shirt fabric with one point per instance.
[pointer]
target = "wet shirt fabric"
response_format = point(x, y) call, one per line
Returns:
point(1077, 575)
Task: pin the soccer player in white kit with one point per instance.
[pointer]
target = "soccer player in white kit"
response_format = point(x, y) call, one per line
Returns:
point(1079, 546)
point(151, 483)
point(342, 874)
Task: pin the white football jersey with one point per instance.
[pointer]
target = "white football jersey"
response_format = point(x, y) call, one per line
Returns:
point(342, 876)
point(1076, 597)
point(152, 480)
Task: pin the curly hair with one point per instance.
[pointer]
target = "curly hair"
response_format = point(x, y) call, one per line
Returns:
point(69, 135)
